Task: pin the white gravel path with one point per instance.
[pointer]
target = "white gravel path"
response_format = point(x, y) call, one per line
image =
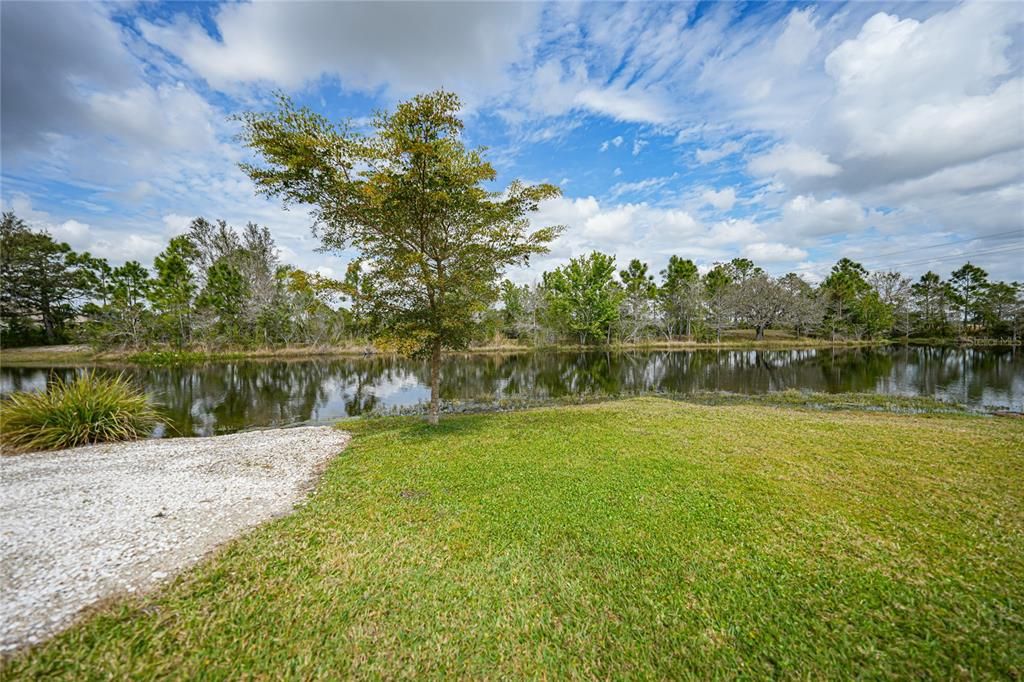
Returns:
point(80, 525)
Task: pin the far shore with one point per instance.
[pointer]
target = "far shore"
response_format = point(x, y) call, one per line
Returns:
point(74, 354)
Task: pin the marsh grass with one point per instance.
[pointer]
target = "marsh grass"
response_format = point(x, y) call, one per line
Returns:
point(93, 408)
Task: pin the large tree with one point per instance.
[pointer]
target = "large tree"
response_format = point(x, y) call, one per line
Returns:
point(930, 297)
point(680, 295)
point(806, 309)
point(967, 287)
point(411, 200)
point(584, 297)
point(639, 291)
point(761, 301)
point(844, 288)
point(173, 290)
point(42, 281)
point(894, 290)
point(718, 287)
point(1001, 305)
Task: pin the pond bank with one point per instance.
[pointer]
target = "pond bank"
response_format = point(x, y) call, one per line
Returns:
point(82, 525)
point(77, 354)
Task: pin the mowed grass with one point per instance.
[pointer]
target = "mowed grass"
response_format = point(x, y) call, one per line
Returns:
point(642, 538)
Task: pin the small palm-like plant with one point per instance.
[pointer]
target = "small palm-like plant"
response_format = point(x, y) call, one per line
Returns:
point(93, 408)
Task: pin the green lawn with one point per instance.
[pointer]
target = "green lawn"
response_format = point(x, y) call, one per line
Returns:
point(643, 538)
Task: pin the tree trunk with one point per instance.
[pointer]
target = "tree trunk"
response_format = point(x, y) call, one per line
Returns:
point(47, 318)
point(435, 383)
point(759, 336)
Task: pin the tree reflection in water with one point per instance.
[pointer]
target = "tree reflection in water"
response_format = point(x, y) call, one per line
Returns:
point(223, 397)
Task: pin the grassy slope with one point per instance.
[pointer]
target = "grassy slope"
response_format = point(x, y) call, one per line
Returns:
point(637, 538)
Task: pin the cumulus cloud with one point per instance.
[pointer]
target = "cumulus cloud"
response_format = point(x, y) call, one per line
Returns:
point(624, 230)
point(723, 199)
point(175, 224)
point(805, 215)
point(615, 225)
point(766, 252)
point(113, 244)
point(165, 117)
point(794, 161)
point(914, 97)
point(408, 47)
point(734, 231)
point(52, 53)
point(70, 231)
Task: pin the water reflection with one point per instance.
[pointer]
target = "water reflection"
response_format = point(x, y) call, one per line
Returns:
point(223, 397)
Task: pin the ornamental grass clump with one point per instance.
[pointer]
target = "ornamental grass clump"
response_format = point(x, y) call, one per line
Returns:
point(93, 408)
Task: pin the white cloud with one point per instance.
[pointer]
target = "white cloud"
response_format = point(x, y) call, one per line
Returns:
point(162, 118)
point(1001, 170)
point(409, 47)
point(710, 155)
point(50, 54)
point(679, 223)
point(765, 252)
point(734, 231)
point(615, 225)
point(113, 244)
point(913, 97)
point(634, 106)
point(617, 172)
point(630, 230)
point(723, 199)
point(792, 160)
point(805, 215)
point(175, 224)
point(126, 247)
point(71, 231)
point(638, 146)
point(615, 142)
point(640, 186)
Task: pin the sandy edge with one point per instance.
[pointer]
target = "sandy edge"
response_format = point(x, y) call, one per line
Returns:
point(82, 527)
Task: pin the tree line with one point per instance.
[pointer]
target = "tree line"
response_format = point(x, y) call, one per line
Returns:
point(217, 287)
point(584, 301)
point(214, 286)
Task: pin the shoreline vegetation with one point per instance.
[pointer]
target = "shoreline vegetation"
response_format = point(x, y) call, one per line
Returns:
point(69, 354)
point(87, 410)
point(640, 538)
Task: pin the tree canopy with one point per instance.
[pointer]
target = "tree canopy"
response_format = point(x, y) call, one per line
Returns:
point(411, 200)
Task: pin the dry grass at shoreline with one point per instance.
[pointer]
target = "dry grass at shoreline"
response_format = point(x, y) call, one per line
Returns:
point(68, 355)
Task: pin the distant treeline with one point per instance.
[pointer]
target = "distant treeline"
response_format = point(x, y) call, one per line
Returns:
point(219, 287)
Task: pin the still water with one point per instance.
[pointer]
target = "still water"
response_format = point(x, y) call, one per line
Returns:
point(229, 396)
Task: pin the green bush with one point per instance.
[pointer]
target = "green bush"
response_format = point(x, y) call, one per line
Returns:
point(91, 409)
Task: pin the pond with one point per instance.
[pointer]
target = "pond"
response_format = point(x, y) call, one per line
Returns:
point(220, 397)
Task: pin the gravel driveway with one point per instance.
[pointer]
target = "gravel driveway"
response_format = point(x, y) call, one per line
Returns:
point(81, 525)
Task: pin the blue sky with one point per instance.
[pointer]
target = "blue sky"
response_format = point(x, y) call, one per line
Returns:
point(793, 134)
